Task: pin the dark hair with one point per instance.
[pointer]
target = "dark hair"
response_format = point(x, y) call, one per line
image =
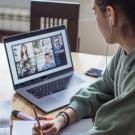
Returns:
point(46, 54)
point(126, 7)
point(25, 52)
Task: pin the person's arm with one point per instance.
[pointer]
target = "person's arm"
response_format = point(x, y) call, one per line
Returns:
point(88, 100)
point(117, 117)
point(54, 126)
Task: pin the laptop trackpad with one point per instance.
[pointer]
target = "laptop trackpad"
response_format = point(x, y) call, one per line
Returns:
point(54, 101)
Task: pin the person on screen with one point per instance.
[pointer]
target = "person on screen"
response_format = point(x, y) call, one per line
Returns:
point(24, 52)
point(27, 69)
point(36, 47)
point(57, 42)
point(48, 64)
point(36, 51)
point(111, 99)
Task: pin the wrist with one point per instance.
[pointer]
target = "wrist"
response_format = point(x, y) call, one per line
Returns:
point(61, 121)
point(64, 118)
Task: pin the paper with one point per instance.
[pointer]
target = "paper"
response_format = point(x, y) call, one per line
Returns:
point(22, 127)
point(78, 128)
point(25, 127)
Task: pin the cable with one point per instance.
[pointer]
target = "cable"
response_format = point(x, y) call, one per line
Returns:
point(106, 63)
point(107, 48)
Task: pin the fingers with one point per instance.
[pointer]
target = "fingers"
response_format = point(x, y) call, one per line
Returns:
point(43, 124)
point(42, 132)
point(51, 131)
point(38, 132)
point(48, 128)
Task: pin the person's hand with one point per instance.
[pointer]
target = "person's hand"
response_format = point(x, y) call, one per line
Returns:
point(51, 127)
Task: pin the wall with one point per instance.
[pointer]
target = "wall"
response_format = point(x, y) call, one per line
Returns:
point(91, 40)
point(15, 3)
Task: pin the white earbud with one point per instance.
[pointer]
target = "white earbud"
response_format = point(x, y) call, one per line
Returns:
point(110, 21)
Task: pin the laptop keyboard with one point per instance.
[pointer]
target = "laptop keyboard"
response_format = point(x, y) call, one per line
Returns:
point(55, 86)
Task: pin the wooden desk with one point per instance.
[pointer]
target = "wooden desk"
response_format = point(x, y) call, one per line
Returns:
point(82, 62)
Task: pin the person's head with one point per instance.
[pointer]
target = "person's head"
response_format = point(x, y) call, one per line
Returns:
point(57, 41)
point(47, 58)
point(23, 50)
point(26, 65)
point(44, 42)
point(115, 18)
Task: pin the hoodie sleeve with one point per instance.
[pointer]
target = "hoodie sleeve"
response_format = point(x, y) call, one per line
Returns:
point(117, 117)
point(88, 100)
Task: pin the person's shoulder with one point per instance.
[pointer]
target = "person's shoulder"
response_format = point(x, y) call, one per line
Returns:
point(51, 64)
point(119, 52)
point(44, 67)
point(117, 55)
point(130, 61)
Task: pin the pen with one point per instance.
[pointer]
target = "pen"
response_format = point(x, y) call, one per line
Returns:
point(36, 116)
point(25, 116)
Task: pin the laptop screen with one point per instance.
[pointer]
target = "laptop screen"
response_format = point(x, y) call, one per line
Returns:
point(35, 56)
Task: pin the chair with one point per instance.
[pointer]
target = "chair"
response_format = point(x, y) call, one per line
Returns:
point(46, 14)
point(4, 33)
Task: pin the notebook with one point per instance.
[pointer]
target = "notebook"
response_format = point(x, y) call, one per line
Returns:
point(41, 67)
point(77, 128)
point(5, 113)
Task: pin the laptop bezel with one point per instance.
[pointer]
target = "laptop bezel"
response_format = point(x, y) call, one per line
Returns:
point(31, 34)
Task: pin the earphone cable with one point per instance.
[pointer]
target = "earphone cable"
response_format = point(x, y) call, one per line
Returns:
point(107, 49)
point(106, 60)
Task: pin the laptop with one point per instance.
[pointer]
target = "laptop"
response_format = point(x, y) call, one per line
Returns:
point(41, 67)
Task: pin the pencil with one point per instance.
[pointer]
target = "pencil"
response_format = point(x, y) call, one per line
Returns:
point(36, 117)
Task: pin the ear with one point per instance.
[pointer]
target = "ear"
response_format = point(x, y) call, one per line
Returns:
point(111, 15)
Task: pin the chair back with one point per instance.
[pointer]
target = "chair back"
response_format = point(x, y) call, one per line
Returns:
point(45, 14)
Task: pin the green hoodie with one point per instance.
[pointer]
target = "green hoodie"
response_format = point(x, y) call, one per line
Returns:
point(111, 99)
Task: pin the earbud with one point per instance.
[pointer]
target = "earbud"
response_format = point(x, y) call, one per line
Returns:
point(110, 21)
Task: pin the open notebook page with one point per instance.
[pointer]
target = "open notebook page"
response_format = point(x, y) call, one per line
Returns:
point(78, 128)
point(25, 127)
point(22, 127)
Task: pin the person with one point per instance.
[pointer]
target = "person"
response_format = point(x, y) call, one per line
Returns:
point(36, 47)
point(24, 52)
point(27, 69)
point(111, 98)
point(57, 44)
point(36, 51)
point(48, 64)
